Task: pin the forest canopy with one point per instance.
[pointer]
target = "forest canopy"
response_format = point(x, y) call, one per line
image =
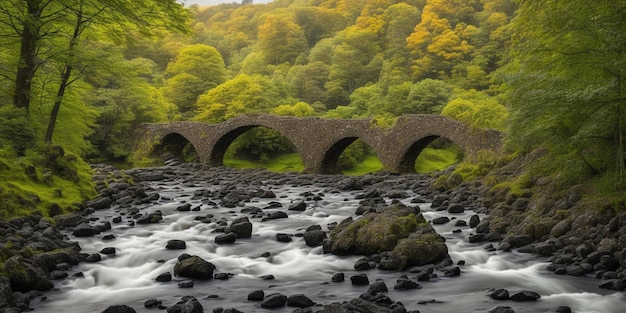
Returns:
point(549, 73)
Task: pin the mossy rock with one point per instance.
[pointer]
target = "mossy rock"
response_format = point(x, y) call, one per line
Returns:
point(375, 232)
point(419, 250)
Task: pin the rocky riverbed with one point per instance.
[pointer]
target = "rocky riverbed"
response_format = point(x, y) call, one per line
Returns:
point(264, 241)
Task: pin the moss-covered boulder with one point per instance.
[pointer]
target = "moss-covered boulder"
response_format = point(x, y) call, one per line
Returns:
point(399, 229)
point(26, 274)
point(419, 249)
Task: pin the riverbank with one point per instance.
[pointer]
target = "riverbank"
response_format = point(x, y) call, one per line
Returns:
point(131, 196)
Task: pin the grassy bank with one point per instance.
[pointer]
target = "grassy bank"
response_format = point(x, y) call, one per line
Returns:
point(50, 182)
point(429, 160)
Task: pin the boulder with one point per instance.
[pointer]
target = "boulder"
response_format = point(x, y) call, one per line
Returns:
point(275, 300)
point(225, 238)
point(419, 249)
point(176, 244)
point(242, 229)
point(188, 304)
point(194, 267)
point(99, 203)
point(299, 301)
point(257, 295)
point(374, 232)
point(26, 274)
point(119, 309)
point(314, 238)
point(300, 206)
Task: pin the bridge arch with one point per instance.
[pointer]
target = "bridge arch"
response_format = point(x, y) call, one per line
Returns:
point(330, 158)
point(216, 158)
point(407, 162)
point(175, 144)
point(321, 141)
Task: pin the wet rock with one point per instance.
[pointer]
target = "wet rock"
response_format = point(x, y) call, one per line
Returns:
point(474, 221)
point(452, 271)
point(299, 301)
point(362, 264)
point(188, 304)
point(99, 203)
point(185, 284)
point(151, 218)
point(337, 278)
point(300, 206)
point(275, 215)
point(441, 220)
point(456, 208)
point(93, 258)
point(283, 237)
point(359, 280)
point(525, 295)
point(165, 277)
point(563, 309)
point(221, 276)
point(176, 244)
point(242, 227)
point(225, 238)
point(194, 267)
point(275, 300)
point(314, 238)
point(108, 251)
point(84, 230)
point(184, 207)
point(404, 283)
point(502, 309)
point(152, 303)
point(69, 220)
point(257, 295)
point(119, 309)
point(613, 284)
point(378, 286)
point(500, 294)
point(27, 274)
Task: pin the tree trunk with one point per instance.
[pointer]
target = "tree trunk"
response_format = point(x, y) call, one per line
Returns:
point(57, 103)
point(65, 78)
point(27, 66)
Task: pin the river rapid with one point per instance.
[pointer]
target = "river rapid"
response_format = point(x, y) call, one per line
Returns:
point(128, 277)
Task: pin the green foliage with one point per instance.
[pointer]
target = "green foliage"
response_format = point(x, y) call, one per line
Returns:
point(354, 154)
point(567, 84)
point(15, 130)
point(290, 162)
point(477, 109)
point(196, 69)
point(259, 144)
point(240, 95)
point(432, 159)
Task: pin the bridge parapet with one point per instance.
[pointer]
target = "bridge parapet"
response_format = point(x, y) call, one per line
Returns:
point(321, 141)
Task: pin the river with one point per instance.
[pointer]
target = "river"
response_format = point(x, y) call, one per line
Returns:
point(128, 277)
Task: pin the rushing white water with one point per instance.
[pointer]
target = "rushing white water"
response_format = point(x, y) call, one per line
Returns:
point(129, 276)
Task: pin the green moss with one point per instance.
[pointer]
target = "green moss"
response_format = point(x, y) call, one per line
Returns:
point(63, 181)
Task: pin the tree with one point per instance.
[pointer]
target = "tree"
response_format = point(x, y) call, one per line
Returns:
point(196, 69)
point(477, 109)
point(239, 95)
point(567, 75)
point(281, 40)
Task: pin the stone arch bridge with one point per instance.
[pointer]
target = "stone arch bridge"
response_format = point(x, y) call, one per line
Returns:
point(320, 141)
